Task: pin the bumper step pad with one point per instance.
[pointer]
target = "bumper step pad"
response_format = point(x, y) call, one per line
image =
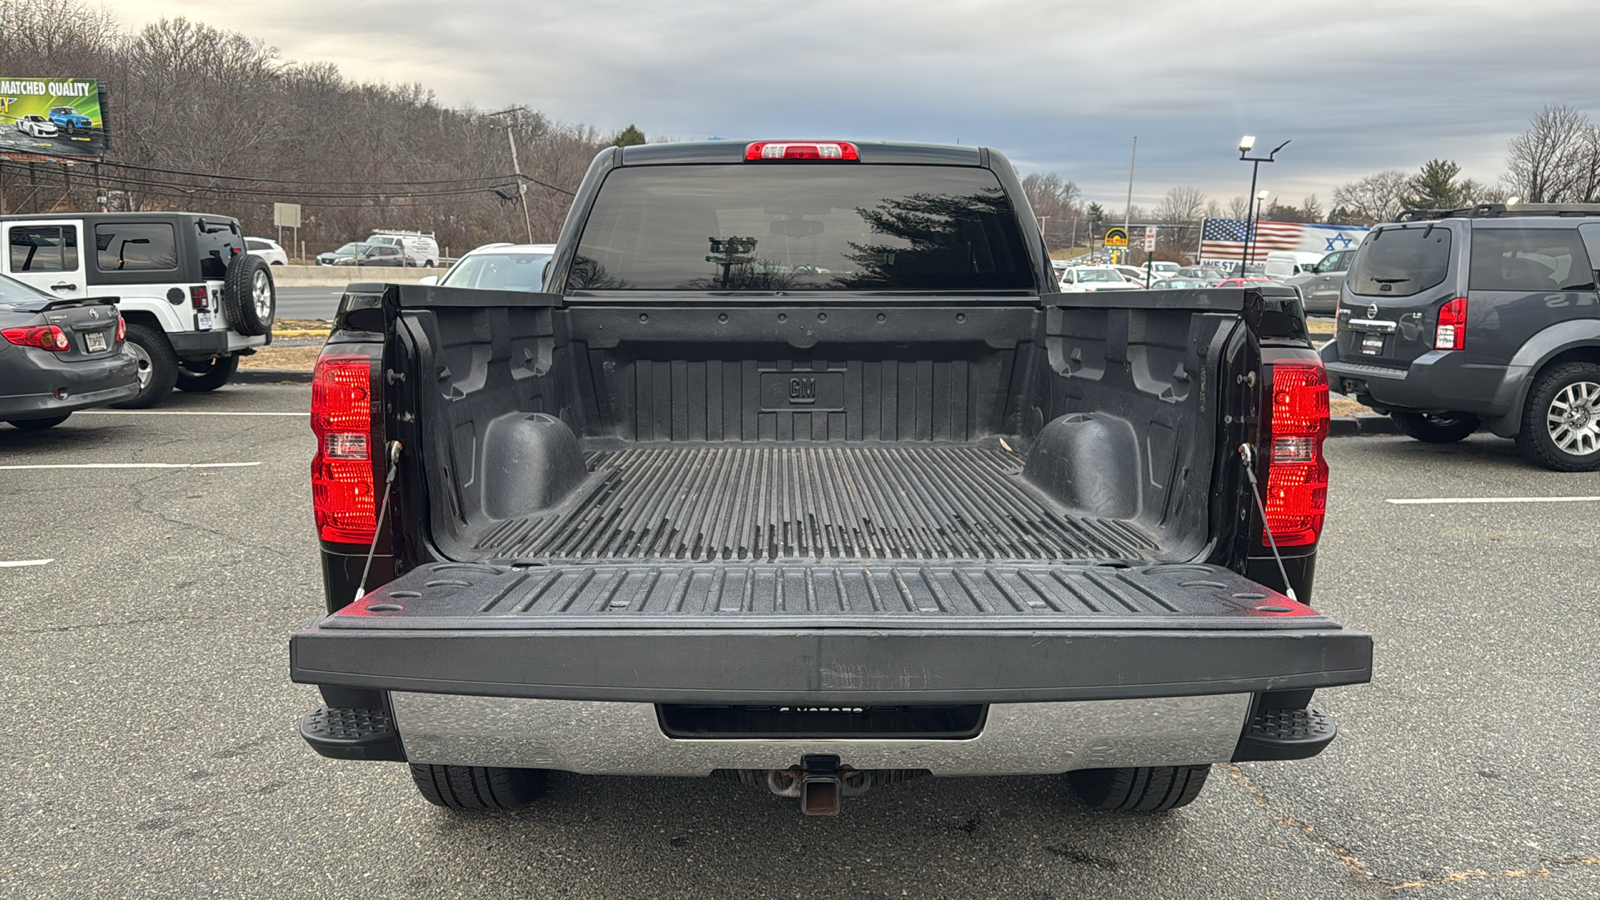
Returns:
point(1275, 734)
point(342, 733)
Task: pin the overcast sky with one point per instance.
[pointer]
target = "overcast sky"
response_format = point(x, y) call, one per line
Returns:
point(1058, 85)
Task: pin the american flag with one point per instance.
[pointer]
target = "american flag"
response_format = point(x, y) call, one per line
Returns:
point(1224, 238)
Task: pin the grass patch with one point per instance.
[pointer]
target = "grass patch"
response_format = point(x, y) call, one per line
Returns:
point(299, 359)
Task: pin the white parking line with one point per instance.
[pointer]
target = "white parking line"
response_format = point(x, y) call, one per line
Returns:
point(19, 563)
point(234, 465)
point(1428, 501)
point(180, 412)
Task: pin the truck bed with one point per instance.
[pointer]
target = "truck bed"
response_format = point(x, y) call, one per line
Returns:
point(706, 503)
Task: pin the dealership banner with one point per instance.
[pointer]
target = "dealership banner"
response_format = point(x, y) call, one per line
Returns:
point(62, 117)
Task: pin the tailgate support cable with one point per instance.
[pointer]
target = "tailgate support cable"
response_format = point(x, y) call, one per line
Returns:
point(388, 483)
point(1248, 454)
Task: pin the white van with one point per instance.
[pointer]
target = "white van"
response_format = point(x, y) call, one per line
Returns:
point(420, 246)
point(1283, 264)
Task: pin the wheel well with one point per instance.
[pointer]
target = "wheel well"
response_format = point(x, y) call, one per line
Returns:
point(143, 318)
point(1575, 354)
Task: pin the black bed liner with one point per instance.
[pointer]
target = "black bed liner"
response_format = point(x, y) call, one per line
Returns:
point(762, 504)
point(848, 632)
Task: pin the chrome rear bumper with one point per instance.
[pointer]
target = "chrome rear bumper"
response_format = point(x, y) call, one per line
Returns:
point(616, 738)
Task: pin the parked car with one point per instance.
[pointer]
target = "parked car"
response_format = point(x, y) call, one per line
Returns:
point(377, 255)
point(1237, 282)
point(1285, 264)
point(1320, 283)
point(346, 251)
point(1454, 319)
point(418, 245)
point(69, 120)
point(1199, 273)
point(194, 300)
point(269, 250)
point(509, 267)
point(1184, 284)
point(1079, 279)
point(649, 523)
point(1164, 268)
point(38, 126)
point(58, 356)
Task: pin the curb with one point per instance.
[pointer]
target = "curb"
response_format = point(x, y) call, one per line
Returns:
point(272, 376)
point(1363, 424)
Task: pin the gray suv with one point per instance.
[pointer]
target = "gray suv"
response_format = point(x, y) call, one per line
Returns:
point(1489, 316)
point(1319, 285)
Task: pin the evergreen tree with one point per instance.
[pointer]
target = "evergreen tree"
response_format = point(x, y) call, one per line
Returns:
point(629, 136)
point(1435, 187)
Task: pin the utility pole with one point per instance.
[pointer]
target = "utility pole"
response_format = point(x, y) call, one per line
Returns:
point(522, 185)
point(1127, 211)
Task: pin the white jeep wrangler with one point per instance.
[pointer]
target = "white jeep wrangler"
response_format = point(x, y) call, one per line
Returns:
point(194, 299)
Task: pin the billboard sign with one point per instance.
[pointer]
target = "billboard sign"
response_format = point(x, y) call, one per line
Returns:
point(61, 117)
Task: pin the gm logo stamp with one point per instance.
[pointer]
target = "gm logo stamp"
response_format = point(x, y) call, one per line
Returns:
point(802, 390)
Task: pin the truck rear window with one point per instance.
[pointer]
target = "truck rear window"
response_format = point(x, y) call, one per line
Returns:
point(801, 228)
point(1399, 262)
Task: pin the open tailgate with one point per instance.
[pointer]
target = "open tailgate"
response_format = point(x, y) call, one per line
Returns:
point(854, 633)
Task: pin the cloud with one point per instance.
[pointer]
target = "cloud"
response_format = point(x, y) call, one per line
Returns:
point(1359, 86)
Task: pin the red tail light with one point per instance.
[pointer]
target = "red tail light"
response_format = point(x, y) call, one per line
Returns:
point(200, 297)
point(1297, 473)
point(1452, 331)
point(122, 329)
point(839, 151)
point(45, 337)
point(344, 473)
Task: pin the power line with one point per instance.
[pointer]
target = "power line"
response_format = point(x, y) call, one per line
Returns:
point(500, 181)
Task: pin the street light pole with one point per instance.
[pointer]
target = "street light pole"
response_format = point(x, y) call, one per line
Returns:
point(1127, 211)
point(1246, 144)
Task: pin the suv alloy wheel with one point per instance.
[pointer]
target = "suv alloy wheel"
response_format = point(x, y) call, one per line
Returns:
point(1561, 421)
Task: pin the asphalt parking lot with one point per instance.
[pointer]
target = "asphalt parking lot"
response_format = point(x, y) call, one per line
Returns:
point(149, 745)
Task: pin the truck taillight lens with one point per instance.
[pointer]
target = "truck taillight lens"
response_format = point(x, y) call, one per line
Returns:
point(839, 151)
point(344, 472)
point(45, 337)
point(1452, 331)
point(200, 296)
point(1297, 473)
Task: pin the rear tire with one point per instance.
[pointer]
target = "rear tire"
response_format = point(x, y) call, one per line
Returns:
point(1561, 421)
point(1147, 789)
point(478, 788)
point(1435, 428)
point(158, 367)
point(206, 375)
point(38, 424)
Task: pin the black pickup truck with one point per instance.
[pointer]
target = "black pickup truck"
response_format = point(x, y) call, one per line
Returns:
point(801, 472)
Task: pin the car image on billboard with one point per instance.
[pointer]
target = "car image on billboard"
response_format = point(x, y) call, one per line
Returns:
point(59, 117)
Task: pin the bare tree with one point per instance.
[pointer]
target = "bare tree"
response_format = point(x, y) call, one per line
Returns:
point(1312, 209)
point(1178, 215)
point(1238, 207)
point(1055, 204)
point(1557, 159)
point(1375, 198)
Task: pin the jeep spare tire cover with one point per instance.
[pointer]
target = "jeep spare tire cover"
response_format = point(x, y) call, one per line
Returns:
point(249, 297)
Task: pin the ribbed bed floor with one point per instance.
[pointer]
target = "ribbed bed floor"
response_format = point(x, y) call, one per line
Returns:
point(773, 503)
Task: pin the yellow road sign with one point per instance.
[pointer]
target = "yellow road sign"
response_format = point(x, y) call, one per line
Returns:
point(1116, 237)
